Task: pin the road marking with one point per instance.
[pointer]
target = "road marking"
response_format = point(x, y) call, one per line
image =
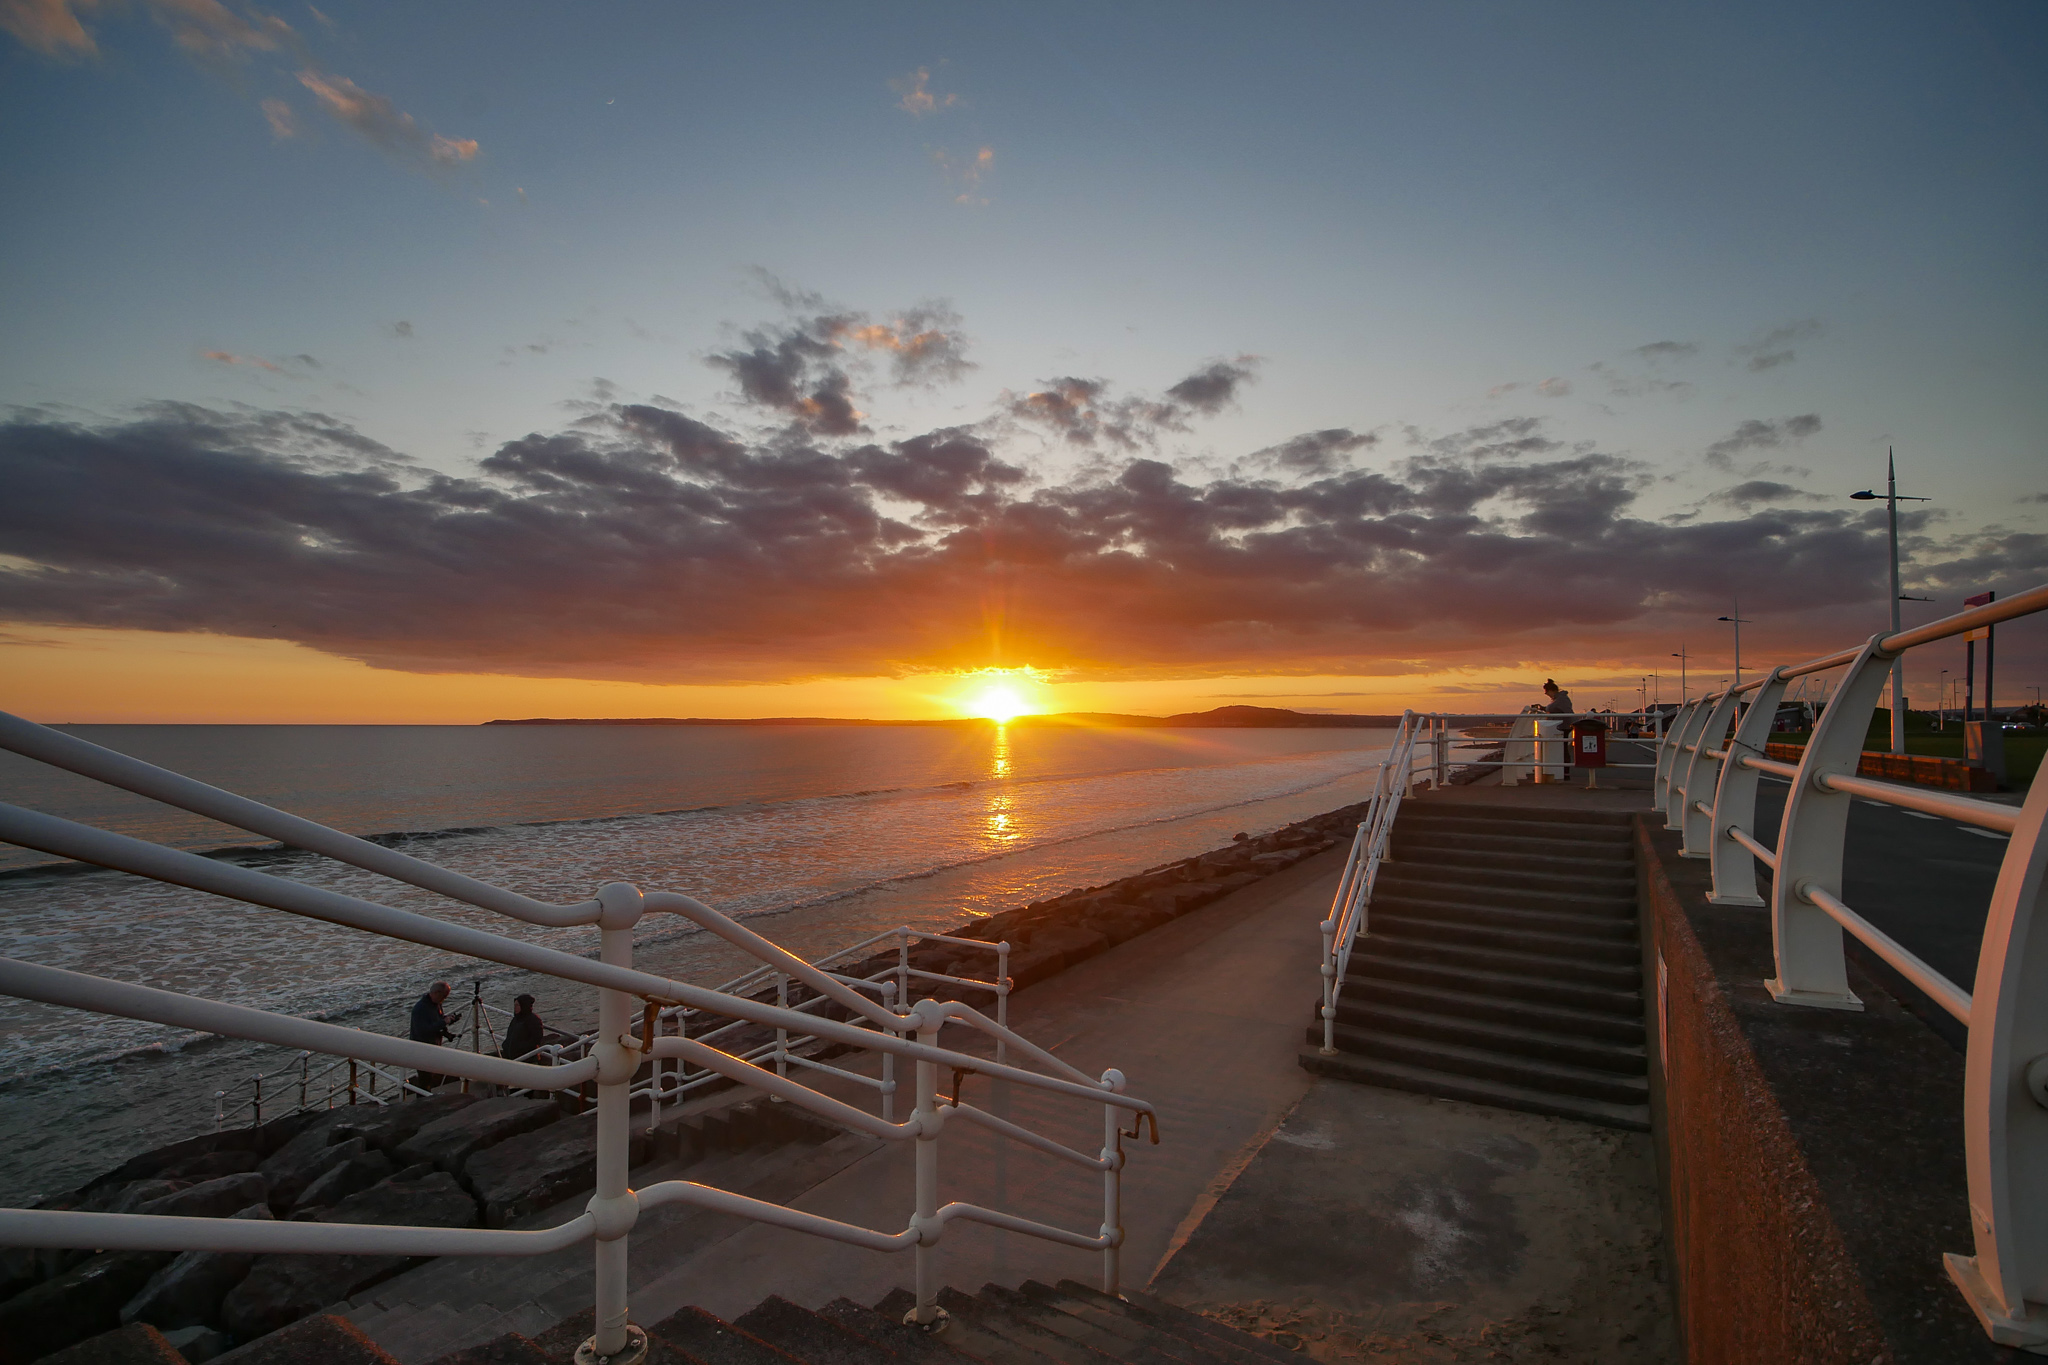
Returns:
point(1919, 815)
point(1983, 833)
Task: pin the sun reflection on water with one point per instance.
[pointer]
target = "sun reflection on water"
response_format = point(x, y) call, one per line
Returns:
point(1002, 827)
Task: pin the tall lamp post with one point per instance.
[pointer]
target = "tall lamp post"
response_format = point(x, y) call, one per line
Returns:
point(1682, 656)
point(1738, 620)
point(1892, 498)
point(1941, 702)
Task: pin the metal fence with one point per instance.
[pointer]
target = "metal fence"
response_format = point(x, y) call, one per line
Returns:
point(837, 1011)
point(1706, 779)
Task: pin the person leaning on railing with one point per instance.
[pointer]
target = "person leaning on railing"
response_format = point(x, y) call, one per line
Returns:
point(430, 1024)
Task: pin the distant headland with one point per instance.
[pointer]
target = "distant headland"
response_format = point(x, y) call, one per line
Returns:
point(1222, 718)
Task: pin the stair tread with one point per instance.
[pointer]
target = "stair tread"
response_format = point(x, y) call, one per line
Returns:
point(1606, 928)
point(907, 1342)
point(1132, 1350)
point(968, 1336)
point(1504, 937)
point(1000, 1320)
point(810, 1337)
point(1626, 1057)
point(1489, 1064)
point(1545, 967)
point(1476, 981)
point(715, 1341)
point(1476, 1090)
point(1109, 1328)
point(1173, 1317)
point(1461, 1004)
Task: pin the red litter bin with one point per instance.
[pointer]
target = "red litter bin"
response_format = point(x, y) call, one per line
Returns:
point(1589, 745)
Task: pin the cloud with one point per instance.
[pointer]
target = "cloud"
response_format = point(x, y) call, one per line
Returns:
point(51, 27)
point(1623, 384)
point(1658, 351)
point(925, 344)
point(647, 543)
point(965, 173)
point(1757, 433)
point(283, 122)
point(384, 124)
point(1313, 452)
point(291, 363)
point(1773, 348)
point(802, 367)
point(1082, 412)
point(1754, 491)
point(917, 98)
point(402, 330)
point(226, 359)
point(1554, 388)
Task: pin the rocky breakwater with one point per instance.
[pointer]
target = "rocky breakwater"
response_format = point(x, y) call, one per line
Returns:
point(414, 1163)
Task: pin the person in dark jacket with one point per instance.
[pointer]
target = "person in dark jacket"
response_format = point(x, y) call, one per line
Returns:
point(431, 1025)
point(523, 1034)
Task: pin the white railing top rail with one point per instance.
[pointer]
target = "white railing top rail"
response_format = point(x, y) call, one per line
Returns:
point(1352, 902)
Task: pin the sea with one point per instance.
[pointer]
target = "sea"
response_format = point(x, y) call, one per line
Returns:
point(819, 835)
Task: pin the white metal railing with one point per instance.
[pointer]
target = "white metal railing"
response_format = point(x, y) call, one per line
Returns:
point(1707, 771)
point(1351, 905)
point(610, 1059)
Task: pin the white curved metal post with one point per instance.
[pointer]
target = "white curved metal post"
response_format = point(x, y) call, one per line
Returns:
point(925, 1222)
point(1667, 748)
point(612, 1206)
point(1702, 778)
point(1684, 730)
point(1806, 939)
point(2005, 1126)
point(1734, 866)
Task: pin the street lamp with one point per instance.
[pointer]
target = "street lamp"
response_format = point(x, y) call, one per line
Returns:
point(1682, 656)
point(1892, 498)
point(1941, 702)
point(1738, 620)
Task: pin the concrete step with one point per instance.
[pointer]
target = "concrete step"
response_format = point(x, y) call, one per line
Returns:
point(1616, 894)
point(1115, 1337)
point(1367, 968)
point(1614, 881)
point(1444, 853)
point(1449, 912)
point(1580, 947)
point(967, 1336)
point(1542, 967)
point(1475, 1090)
point(1019, 1330)
point(1625, 1027)
point(1240, 1348)
point(1369, 1016)
point(1437, 846)
point(714, 1341)
point(1429, 809)
point(1120, 1323)
point(1532, 1073)
point(1518, 826)
point(908, 1343)
point(809, 1336)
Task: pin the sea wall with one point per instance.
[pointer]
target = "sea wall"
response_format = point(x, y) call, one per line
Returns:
point(1812, 1160)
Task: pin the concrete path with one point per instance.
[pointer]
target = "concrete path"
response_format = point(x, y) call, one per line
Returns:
point(1382, 1225)
point(1203, 1015)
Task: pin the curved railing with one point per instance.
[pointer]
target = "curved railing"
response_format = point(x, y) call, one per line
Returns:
point(1707, 771)
point(1352, 904)
point(610, 1058)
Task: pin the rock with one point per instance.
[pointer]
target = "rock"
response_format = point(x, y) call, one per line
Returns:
point(199, 1344)
point(299, 1162)
point(82, 1302)
point(214, 1165)
point(1179, 898)
point(1120, 923)
point(160, 1159)
point(322, 1340)
point(129, 1198)
point(138, 1344)
point(188, 1291)
point(525, 1174)
point(210, 1199)
point(358, 1171)
point(1266, 864)
point(281, 1289)
point(389, 1127)
point(447, 1142)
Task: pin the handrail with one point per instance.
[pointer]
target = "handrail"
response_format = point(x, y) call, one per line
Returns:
point(1349, 909)
point(611, 1056)
point(1713, 795)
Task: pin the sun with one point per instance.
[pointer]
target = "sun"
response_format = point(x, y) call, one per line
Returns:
point(999, 702)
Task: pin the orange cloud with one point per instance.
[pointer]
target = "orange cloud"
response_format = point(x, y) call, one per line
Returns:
point(918, 100)
point(50, 27)
point(384, 123)
point(283, 123)
point(227, 358)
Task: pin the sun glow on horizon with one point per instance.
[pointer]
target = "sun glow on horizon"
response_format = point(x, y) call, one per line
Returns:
point(999, 695)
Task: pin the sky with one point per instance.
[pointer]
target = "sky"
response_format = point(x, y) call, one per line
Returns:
point(439, 363)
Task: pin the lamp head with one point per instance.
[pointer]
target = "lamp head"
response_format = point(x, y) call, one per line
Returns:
point(1865, 496)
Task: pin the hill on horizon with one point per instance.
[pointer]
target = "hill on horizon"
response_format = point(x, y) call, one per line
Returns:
point(1219, 718)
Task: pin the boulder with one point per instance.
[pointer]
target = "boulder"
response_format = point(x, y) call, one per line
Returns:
point(82, 1302)
point(160, 1159)
point(138, 1344)
point(214, 1165)
point(188, 1291)
point(358, 1171)
point(129, 1198)
point(210, 1199)
point(280, 1289)
point(199, 1344)
point(299, 1162)
point(525, 1174)
point(322, 1340)
point(447, 1142)
point(1120, 923)
point(387, 1127)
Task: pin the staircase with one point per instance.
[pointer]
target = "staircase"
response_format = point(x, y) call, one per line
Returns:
point(1500, 965)
point(1034, 1324)
point(769, 1151)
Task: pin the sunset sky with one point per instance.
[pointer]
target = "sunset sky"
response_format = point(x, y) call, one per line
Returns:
point(437, 363)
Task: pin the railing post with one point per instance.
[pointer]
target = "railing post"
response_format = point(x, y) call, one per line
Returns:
point(781, 1034)
point(305, 1066)
point(889, 1058)
point(1002, 995)
point(926, 1313)
point(1702, 775)
point(1667, 746)
point(1686, 731)
point(1811, 968)
point(351, 1080)
point(1112, 1178)
point(1735, 798)
point(612, 1206)
point(2005, 1089)
point(257, 1120)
